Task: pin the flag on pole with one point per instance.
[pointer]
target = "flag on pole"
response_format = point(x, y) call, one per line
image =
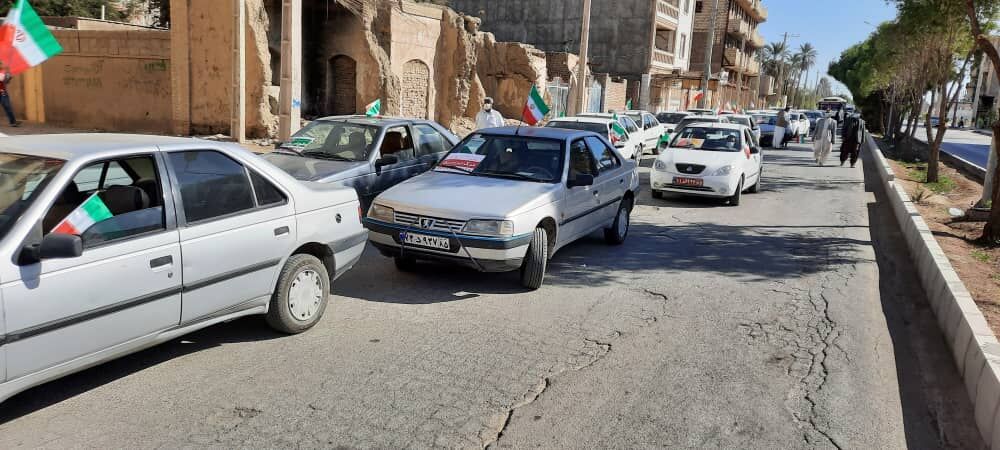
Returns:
point(374, 108)
point(617, 130)
point(25, 41)
point(698, 95)
point(628, 105)
point(84, 216)
point(535, 109)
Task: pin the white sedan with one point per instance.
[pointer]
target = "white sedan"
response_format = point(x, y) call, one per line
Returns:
point(709, 159)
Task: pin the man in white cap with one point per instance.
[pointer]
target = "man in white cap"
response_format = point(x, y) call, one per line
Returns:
point(488, 117)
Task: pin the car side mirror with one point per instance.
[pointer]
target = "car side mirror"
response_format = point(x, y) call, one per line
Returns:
point(581, 180)
point(53, 246)
point(386, 160)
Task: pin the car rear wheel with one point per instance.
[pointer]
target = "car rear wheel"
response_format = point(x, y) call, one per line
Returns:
point(535, 261)
point(619, 229)
point(734, 200)
point(301, 296)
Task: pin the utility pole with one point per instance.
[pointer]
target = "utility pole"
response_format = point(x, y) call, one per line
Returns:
point(290, 97)
point(238, 115)
point(781, 69)
point(709, 46)
point(581, 78)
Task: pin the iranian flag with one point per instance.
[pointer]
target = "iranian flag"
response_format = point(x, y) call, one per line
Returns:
point(25, 41)
point(618, 131)
point(536, 109)
point(698, 95)
point(374, 108)
point(84, 216)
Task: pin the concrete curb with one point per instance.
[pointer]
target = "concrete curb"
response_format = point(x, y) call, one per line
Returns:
point(973, 345)
point(964, 166)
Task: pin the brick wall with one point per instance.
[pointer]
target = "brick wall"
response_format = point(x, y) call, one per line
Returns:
point(614, 92)
point(559, 65)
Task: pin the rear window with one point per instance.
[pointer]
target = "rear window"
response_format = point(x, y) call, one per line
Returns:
point(740, 120)
point(598, 128)
point(670, 117)
point(691, 120)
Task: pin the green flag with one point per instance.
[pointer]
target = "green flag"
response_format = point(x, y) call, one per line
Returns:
point(617, 127)
point(374, 108)
point(628, 104)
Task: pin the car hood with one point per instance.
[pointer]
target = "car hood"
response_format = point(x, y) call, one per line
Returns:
point(312, 169)
point(462, 197)
point(704, 158)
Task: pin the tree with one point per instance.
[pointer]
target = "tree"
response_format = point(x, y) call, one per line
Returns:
point(806, 59)
point(982, 12)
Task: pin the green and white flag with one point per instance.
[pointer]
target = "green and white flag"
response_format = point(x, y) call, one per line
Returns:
point(25, 41)
point(374, 108)
point(616, 127)
point(628, 105)
point(93, 210)
point(535, 109)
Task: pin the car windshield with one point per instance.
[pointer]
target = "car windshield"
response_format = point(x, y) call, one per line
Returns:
point(22, 177)
point(514, 157)
point(765, 119)
point(338, 141)
point(690, 120)
point(599, 128)
point(740, 120)
point(670, 117)
point(708, 139)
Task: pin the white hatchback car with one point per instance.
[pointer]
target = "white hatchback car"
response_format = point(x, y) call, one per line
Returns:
point(709, 159)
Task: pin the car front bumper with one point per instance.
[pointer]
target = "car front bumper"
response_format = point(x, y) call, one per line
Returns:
point(482, 253)
point(713, 186)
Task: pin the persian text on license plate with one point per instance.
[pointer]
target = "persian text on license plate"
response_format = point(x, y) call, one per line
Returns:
point(423, 240)
point(697, 182)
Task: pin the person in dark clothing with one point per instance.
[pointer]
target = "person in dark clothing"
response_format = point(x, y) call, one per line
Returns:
point(853, 136)
point(5, 97)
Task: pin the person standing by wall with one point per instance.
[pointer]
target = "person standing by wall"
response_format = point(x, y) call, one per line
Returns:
point(5, 78)
point(488, 117)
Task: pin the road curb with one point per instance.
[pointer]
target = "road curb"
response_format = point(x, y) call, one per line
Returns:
point(973, 345)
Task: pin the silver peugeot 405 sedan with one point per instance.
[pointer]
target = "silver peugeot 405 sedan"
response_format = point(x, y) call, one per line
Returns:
point(113, 243)
point(507, 199)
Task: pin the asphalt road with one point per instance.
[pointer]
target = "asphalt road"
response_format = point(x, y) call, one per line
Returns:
point(968, 145)
point(762, 326)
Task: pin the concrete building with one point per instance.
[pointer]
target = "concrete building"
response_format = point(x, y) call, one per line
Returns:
point(735, 48)
point(985, 89)
point(647, 42)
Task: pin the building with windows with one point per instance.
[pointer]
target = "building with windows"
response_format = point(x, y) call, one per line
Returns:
point(647, 42)
point(735, 63)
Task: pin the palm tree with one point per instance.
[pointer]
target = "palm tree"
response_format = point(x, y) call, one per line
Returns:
point(806, 59)
point(775, 60)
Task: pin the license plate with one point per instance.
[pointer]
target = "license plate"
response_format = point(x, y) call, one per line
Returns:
point(424, 240)
point(696, 182)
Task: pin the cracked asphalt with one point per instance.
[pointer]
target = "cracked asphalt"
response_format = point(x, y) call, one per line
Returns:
point(791, 321)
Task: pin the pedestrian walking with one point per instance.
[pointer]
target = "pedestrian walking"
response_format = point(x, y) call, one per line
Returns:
point(488, 117)
point(854, 135)
point(781, 129)
point(961, 123)
point(826, 127)
point(5, 78)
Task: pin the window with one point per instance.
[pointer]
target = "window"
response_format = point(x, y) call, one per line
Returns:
point(687, 6)
point(211, 184)
point(581, 161)
point(429, 140)
point(697, 6)
point(267, 193)
point(682, 49)
point(327, 139)
point(109, 201)
point(397, 141)
point(605, 157)
point(513, 157)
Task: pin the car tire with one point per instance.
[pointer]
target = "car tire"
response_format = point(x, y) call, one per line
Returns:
point(301, 295)
point(734, 200)
point(535, 261)
point(405, 263)
point(656, 194)
point(619, 228)
point(756, 186)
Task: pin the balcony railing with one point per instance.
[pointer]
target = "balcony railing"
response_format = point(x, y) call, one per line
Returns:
point(667, 11)
point(756, 40)
point(663, 59)
point(755, 8)
point(738, 27)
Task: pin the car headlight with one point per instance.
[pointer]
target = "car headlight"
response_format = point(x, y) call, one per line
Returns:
point(660, 166)
point(723, 171)
point(382, 213)
point(489, 227)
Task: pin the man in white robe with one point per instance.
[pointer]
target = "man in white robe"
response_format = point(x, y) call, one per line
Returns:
point(823, 138)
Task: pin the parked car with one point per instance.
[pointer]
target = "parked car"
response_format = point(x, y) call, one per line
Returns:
point(813, 116)
point(629, 145)
point(766, 122)
point(701, 111)
point(114, 243)
point(652, 130)
point(708, 159)
point(506, 199)
point(369, 154)
point(748, 121)
point(684, 123)
point(634, 130)
point(669, 121)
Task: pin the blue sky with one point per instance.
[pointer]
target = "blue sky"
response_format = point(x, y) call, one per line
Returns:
point(830, 26)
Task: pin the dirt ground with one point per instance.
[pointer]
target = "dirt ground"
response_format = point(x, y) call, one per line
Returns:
point(977, 265)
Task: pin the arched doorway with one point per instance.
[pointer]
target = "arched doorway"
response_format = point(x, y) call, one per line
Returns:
point(343, 93)
point(415, 90)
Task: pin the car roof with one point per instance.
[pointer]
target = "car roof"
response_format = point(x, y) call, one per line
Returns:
point(76, 145)
point(536, 132)
point(704, 117)
point(636, 111)
point(739, 116)
point(584, 119)
point(724, 126)
point(379, 121)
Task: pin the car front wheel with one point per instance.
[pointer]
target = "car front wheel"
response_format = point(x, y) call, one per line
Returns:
point(734, 200)
point(619, 229)
point(300, 298)
point(535, 261)
point(756, 186)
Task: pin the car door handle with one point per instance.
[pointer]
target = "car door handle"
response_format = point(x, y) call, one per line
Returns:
point(161, 262)
point(281, 231)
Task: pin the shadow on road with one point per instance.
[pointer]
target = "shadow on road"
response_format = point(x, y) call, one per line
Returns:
point(247, 329)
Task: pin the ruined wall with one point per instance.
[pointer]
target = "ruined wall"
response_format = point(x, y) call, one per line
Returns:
point(460, 92)
point(507, 71)
point(108, 80)
point(620, 44)
point(614, 93)
point(416, 31)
